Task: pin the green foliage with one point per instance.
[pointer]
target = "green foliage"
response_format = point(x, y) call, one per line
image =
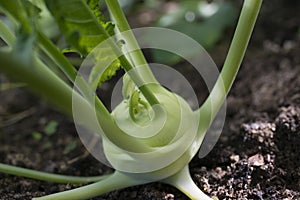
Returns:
point(101, 56)
point(84, 27)
point(108, 26)
point(49, 130)
point(36, 135)
point(78, 24)
point(51, 127)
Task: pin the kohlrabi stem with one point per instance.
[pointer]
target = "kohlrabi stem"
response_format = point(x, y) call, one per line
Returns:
point(44, 176)
point(184, 182)
point(113, 182)
point(240, 41)
point(44, 82)
point(55, 54)
point(41, 79)
point(57, 57)
point(233, 61)
point(66, 67)
point(47, 46)
point(137, 56)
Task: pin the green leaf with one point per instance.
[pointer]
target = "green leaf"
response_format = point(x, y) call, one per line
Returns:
point(84, 28)
point(79, 24)
point(94, 6)
point(70, 147)
point(102, 57)
point(36, 135)
point(51, 127)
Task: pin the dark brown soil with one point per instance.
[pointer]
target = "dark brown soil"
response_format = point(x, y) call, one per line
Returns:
point(257, 156)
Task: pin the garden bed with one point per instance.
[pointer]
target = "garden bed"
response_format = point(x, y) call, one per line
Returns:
point(256, 157)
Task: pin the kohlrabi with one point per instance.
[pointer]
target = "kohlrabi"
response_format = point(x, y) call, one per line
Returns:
point(152, 134)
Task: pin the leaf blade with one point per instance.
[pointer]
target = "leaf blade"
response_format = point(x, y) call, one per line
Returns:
point(84, 28)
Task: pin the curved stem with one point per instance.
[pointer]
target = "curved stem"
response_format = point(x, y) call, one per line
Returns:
point(41, 79)
point(232, 63)
point(240, 41)
point(183, 181)
point(54, 53)
point(137, 56)
point(44, 176)
point(68, 69)
point(44, 82)
point(113, 182)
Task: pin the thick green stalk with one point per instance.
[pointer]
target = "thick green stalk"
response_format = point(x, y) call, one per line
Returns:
point(115, 181)
point(232, 63)
point(47, 46)
point(240, 41)
point(114, 46)
point(44, 82)
point(44, 176)
point(184, 182)
point(54, 53)
point(58, 58)
point(41, 79)
point(137, 79)
point(62, 62)
point(137, 56)
point(134, 75)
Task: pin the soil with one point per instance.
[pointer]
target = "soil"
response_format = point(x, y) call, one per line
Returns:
point(256, 157)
